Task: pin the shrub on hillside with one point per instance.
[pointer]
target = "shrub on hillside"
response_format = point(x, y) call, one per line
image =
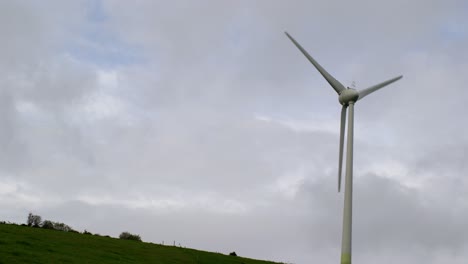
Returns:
point(62, 227)
point(233, 254)
point(128, 236)
point(46, 224)
point(34, 220)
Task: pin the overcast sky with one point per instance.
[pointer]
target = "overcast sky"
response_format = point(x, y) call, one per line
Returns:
point(199, 122)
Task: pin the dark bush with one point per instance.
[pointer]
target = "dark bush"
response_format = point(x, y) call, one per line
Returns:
point(87, 233)
point(128, 236)
point(233, 254)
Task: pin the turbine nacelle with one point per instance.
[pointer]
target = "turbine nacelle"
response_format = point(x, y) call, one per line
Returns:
point(347, 96)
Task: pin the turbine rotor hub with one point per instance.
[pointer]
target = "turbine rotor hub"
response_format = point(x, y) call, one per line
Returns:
point(347, 96)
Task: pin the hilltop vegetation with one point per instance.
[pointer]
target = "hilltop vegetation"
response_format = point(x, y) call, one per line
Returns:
point(24, 244)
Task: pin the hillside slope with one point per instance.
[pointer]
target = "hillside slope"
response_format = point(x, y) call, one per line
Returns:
point(21, 244)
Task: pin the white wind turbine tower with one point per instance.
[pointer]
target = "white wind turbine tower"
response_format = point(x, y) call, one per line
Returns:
point(347, 98)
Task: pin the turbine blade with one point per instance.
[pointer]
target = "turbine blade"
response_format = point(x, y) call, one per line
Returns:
point(332, 81)
point(376, 87)
point(342, 131)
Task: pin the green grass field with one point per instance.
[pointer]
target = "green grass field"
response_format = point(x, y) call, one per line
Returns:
point(22, 244)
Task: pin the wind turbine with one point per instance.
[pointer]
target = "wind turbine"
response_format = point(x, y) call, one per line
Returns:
point(347, 98)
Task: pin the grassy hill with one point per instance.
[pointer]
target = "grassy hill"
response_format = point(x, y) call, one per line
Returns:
point(22, 244)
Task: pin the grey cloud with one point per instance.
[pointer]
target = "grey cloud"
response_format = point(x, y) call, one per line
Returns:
point(223, 137)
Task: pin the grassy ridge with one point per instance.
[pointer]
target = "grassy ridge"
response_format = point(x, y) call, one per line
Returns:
point(21, 244)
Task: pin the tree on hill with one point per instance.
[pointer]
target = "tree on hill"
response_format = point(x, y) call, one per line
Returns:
point(48, 224)
point(62, 227)
point(34, 220)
